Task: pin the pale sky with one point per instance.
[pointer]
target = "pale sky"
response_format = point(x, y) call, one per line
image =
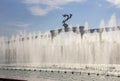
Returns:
point(43, 15)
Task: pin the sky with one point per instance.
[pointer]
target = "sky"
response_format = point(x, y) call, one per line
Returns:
point(45, 15)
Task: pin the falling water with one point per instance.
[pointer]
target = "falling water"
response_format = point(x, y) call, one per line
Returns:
point(66, 48)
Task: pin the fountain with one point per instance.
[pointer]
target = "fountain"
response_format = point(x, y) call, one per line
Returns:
point(77, 47)
point(36, 48)
point(74, 46)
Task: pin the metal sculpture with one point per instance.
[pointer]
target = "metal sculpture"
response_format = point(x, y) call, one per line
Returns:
point(67, 17)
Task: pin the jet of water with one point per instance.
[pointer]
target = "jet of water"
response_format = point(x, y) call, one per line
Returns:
point(112, 21)
point(102, 24)
point(86, 26)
